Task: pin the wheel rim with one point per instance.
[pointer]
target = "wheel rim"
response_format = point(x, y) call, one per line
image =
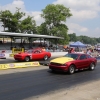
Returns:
point(92, 66)
point(46, 57)
point(72, 70)
point(27, 58)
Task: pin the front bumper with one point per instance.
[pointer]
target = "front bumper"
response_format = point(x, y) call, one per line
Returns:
point(19, 58)
point(58, 68)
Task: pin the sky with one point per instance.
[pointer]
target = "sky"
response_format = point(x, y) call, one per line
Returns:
point(85, 20)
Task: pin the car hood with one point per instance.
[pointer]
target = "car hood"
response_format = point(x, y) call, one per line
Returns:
point(62, 60)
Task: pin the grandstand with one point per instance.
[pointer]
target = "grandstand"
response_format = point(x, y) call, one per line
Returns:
point(7, 40)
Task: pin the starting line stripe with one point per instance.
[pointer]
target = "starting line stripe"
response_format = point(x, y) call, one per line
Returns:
point(18, 65)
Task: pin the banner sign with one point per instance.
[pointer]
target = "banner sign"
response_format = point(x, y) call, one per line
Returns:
point(2, 55)
point(16, 50)
point(19, 65)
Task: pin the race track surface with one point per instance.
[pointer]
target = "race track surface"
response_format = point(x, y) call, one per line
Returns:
point(30, 83)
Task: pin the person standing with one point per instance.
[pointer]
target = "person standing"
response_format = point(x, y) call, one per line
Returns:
point(89, 51)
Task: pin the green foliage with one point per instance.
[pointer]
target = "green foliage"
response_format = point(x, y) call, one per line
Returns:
point(72, 37)
point(14, 23)
point(11, 21)
point(43, 29)
point(18, 15)
point(27, 25)
point(5, 18)
point(55, 16)
point(98, 40)
point(84, 39)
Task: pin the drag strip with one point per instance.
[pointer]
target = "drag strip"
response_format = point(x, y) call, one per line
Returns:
point(11, 60)
point(42, 62)
point(24, 83)
point(33, 83)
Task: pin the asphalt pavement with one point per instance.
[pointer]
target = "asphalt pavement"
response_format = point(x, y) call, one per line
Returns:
point(31, 82)
point(23, 83)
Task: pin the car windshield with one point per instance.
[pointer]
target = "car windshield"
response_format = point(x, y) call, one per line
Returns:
point(74, 56)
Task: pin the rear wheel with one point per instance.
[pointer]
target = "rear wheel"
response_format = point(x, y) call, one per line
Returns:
point(92, 66)
point(46, 57)
point(27, 59)
point(71, 69)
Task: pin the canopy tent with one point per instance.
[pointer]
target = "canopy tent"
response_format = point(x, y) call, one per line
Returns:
point(77, 44)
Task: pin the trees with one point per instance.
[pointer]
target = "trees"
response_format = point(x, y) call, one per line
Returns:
point(55, 16)
point(28, 25)
point(73, 37)
point(11, 21)
point(14, 23)
point(43, 29)
point(84, 39)
point(5, 18)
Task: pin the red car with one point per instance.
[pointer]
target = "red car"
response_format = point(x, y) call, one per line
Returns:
point(72, 62)
point(34, 54)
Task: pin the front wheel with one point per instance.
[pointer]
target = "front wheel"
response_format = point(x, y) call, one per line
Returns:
point(92, 66)
point(27, 59)
point(45, 57)
point(71, 69)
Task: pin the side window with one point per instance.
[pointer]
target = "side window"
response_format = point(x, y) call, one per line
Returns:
point(83, 57)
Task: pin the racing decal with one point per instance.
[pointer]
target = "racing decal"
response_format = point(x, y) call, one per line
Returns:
point(19, 65)
point(35, 63)
point(27, 64)
point(3, 66)
point(12, 65)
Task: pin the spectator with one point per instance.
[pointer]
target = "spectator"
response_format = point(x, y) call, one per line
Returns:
point(89, 51)
point(72, 50)
point(43, 49)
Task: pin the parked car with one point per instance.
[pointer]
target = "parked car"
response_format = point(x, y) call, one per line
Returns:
point(72, 62)
point(33, 54)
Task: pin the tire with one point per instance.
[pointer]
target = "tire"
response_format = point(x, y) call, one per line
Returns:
point(71, 69)
point(27, 59)
point(92, 66)
point(45, 57)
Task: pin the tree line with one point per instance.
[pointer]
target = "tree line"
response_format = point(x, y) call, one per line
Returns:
point(83, 39)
